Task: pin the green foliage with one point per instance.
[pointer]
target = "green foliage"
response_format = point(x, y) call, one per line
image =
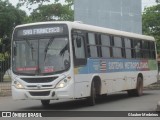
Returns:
point(9, 18)
point(151, 22)
point(158, 1)
point(52, 12)
point(29, 3)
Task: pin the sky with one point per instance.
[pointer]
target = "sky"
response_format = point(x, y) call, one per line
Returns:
point(145, 3)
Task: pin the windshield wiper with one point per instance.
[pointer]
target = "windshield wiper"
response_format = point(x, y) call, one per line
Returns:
point(47, 47)
point(30, 45)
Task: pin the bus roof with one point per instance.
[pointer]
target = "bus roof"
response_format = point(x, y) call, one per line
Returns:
point(92, 28)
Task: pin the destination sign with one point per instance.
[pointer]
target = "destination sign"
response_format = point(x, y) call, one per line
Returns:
point(40, 31)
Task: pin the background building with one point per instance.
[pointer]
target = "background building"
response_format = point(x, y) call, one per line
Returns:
point(123, 15)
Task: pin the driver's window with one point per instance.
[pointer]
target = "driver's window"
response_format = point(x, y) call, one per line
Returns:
point(79, 47)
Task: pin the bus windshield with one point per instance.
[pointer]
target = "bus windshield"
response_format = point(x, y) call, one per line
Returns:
point(41, 56)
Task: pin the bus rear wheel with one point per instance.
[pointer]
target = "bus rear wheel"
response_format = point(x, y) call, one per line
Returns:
point(139, 88)
point(45, 103)
point(91, 99)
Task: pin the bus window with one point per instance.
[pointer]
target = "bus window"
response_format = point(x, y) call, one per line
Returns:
point(152, 45)
point(152, 50)
point(92, 48)
point(117, 49)
point(105, 46)
point(145, 49)
point(128, 48)
point(79, 49)
point(137, 47)
point(105, 40)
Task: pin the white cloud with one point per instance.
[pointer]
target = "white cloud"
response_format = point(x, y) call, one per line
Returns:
point(147, 3)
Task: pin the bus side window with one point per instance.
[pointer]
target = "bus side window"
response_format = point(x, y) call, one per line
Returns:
point(137, 47)
point(92, 46)
point(117, 48)
point(128, 49)
point(79, 49)
point(145, 49)
point(105, 46)
point(152, 50)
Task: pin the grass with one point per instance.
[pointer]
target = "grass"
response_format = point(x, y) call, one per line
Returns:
point(7, 78)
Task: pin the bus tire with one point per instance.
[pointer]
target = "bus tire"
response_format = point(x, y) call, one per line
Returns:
point(91, 99)
point(139, 88)
point(45, 103)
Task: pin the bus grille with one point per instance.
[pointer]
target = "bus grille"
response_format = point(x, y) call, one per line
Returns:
point(42, 93)
point(39, 80)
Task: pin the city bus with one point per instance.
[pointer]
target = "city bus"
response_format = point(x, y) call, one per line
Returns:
point(72, 60)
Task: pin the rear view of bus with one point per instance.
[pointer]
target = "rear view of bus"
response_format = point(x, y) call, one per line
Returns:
point(41, 62)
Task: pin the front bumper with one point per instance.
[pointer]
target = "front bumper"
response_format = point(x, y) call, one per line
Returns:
point(46, 94)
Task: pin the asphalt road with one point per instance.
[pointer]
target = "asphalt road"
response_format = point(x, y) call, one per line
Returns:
point(114, 102)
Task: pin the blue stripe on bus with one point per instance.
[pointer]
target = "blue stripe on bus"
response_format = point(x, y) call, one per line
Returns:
point(116, 65)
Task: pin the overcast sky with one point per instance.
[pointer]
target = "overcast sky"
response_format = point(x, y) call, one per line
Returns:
point(145, 3)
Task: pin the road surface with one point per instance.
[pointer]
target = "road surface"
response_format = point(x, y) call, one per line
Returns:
point(114, 102)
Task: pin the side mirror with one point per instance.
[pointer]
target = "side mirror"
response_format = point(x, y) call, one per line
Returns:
point(14, 51)
point(79, 42)
point(66, 64)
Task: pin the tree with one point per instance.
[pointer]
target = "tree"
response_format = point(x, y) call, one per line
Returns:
point(31, 2)
point(158, 1)
point(50, 12)
point(151, 23)
point(9, 18)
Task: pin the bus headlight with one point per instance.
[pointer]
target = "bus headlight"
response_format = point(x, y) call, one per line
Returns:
point(63, 83)
point(18, 85)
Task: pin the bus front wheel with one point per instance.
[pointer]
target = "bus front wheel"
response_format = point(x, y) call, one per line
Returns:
point(45, 102)
point(91, 99)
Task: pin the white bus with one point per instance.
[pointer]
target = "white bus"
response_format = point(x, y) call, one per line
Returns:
point(70, 60)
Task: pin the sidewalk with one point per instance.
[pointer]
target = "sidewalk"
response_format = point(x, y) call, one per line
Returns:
point(5, 89)
point(155, 86)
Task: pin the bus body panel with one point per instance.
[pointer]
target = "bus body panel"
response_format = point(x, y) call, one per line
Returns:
point(63, 93)
point(53, 93)
point(115, 79)
point(111, 83)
